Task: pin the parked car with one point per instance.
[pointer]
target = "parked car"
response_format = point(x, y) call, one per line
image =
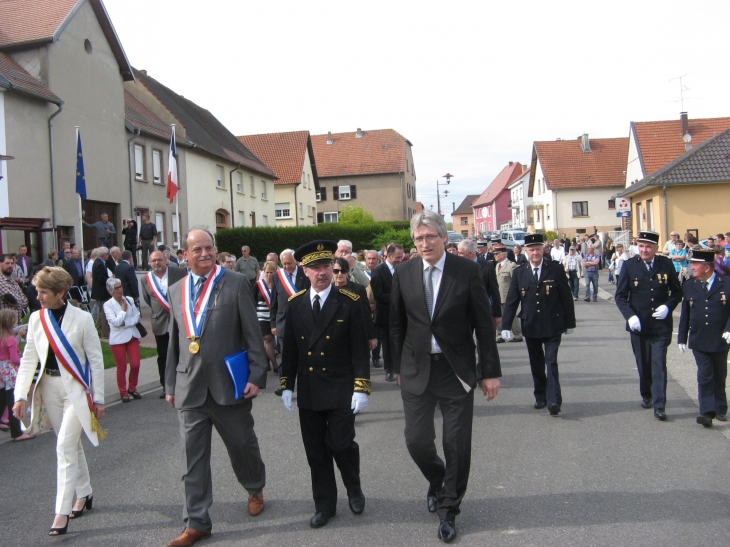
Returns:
point(510, 238)
point(454, 237)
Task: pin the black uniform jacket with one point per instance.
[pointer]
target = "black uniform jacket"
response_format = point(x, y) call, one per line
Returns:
point(380, 283)
point(361, 291)
point(547, 307)
point(705, 317)
point(488, 273)
point(640, 293)
point(330, 358)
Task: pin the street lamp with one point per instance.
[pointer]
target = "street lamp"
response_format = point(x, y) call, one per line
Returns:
point(448, 177)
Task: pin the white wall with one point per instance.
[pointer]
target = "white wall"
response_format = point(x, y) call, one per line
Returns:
point(599, 214)
point(546, 198)
point(634, 171)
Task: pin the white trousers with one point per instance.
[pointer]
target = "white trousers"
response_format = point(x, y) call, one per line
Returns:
point(72, 474)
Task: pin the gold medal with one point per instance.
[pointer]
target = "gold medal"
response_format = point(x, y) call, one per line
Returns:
point(194, 347)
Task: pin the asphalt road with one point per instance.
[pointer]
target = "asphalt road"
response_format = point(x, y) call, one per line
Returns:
point(604, 473)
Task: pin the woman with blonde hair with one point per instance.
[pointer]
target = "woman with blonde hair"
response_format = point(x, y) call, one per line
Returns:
point(70, 386)
point(261, 289)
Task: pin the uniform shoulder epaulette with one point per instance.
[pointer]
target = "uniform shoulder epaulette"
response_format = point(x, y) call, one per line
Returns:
point(292, 297)
point(351, 294)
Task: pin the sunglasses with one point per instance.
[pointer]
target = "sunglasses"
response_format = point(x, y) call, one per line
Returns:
point(337, 271)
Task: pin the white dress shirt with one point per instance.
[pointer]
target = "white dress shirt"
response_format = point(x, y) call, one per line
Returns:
point(322, 296)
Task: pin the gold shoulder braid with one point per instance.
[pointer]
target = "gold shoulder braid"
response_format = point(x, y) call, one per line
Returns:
point(351, 294)
point(282, 383)
point(362, 385)
point(292, 297)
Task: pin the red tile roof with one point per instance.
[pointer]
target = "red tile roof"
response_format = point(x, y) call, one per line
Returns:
point(507, 176)
point(28, 21)
point(661, 142)
point(565, 165)
point(377, 151)
point(282, 152)
point(20, 80)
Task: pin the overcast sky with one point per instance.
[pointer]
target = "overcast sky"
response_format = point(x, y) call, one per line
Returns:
point(470, 84)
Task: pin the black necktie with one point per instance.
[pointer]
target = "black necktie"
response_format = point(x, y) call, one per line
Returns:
point(535, 275)
point(650, 267)
point(706, 285)
point(199, 288)
point(316, 307)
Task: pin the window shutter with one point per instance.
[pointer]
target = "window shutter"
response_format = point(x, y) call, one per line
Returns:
point(320, 218)
point(353, 191)
point(322, 193)
point(335, 192)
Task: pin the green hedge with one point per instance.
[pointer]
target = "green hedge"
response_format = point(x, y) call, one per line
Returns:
point(265, 240)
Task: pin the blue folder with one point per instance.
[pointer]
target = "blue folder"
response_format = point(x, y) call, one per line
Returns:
point(237, 365)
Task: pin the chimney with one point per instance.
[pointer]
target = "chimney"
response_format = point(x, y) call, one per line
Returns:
point(585, 144)
point(358, 133)
point(144, 71)
point(684, 123)
point(329, 137)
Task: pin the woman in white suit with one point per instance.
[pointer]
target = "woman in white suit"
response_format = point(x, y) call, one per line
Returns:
point(70, 386)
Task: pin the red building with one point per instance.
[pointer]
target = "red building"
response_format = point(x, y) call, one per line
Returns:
point(492, 208)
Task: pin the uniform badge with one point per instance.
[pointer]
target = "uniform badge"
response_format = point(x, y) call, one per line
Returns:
point(659, 278)
point(636, 282)
point(691, 302)
point(524, 292)
point(722, 298)
point(547, 289)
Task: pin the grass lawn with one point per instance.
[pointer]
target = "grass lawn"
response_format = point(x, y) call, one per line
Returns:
point(109, 358)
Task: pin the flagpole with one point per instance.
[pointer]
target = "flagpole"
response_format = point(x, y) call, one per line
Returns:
point(81, 218)
point(177, 213)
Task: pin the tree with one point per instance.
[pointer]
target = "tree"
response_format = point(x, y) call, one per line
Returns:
point(399, 236)
point(355, 214)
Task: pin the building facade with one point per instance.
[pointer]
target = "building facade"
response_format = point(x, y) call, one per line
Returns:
point(492, 208)
point(463, 217)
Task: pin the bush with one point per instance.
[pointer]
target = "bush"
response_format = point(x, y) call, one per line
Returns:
point(355, 214)
point(399, 236)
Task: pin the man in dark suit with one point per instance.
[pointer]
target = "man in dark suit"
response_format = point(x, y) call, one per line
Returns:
point(198, 385)
point(705, 326)
point(648, 290)
point(468, 249)
point(125, 273)
point(75, 268)
point(380, 283)
point(155, 293)
point(438, 303)
point(99, 275)
point(541, 288)
point(326, 350)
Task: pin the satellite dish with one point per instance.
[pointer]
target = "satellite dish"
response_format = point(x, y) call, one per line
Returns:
point(687, 137)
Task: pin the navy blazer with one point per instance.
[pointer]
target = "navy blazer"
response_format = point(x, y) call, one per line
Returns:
point(705, 317)
point(381, 283)
point(125, 273)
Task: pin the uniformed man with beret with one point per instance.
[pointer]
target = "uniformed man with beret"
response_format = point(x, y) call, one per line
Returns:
point(704, 326)
point(326, 354)
point(648, 290)
point(541, 288)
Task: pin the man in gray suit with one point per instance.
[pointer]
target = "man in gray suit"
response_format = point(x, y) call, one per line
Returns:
point(198, 385)
point(155, 293)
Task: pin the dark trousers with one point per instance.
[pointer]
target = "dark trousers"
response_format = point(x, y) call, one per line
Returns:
point(384, 335)
point(457, 409)
point(375, 354)
point(328, 435)
point(162, 342)
point(8, 398)
point(711, 376)
point(650, 353)
point(543, 354)
point(147, 248)
point(234, 424)
point(574, 282)
point(132, 249)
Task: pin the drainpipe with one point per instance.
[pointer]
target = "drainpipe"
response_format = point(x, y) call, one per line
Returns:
point(666, 218)
point(230, 183)
point(296, 205)
point(53, 170)
point(131, 171)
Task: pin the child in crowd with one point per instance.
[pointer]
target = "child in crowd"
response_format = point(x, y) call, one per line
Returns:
point(9, 363)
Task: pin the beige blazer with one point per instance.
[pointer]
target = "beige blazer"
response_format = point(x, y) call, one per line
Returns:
point(78, 326)
point(504, 278)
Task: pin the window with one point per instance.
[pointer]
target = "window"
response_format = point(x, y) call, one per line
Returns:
point(409, 187)
point(309, 182)
point(330, 217)
point(239, 182)
point(221, 219)
point(266, 221)
point(310, 211)
point(639, 217)
point(611, 203)
point(344, 192)
point(322, 194)
point(263, 189)
point(160, 223)
point(241, 219)
point(139, 173)
point(580, 208)
point(253, 191)
point(156, 166)
point(283, 210)
point(175, 231)
point(650, 214)
point(464, 221)
point(301, 210)
point(219, 176)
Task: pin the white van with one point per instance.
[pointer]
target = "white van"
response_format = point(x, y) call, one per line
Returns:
point(510, 238)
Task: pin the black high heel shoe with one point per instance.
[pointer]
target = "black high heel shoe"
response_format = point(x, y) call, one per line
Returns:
point(59, 531)
point(87, 505)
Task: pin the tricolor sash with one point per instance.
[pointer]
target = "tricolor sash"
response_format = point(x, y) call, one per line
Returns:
point(157, 292)
point(265, 291)
point(289, 287)
point(194, 312)
point(65, 355)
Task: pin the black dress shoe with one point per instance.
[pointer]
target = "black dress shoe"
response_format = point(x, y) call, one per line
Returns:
point(500, 340)
point(447, 531)
point(540, 404)
point(659, 414)
point(357, 503)
point(722, 417)
point(704, 420)
point(432, 498)
point(277, 392)
point(162, 395)
point(554, 409)
point(320, 519)
point(646, 402)
point(377, 363)
point(390, 377)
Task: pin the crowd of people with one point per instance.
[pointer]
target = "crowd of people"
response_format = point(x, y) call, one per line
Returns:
point(435, 315)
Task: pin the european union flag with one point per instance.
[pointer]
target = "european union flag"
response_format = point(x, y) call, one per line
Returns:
point(80, 177)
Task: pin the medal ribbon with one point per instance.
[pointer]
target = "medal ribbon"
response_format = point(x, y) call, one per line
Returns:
point(289, 287)
point(157, 292)
point(265, 291)
point(65, 354)
point(194, 312)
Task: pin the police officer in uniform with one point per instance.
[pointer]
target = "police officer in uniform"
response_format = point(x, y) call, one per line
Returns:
point(648, 290)
point(706, 319)
point(542, 289)
point(327, 355)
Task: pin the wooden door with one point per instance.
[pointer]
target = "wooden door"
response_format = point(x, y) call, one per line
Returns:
point(92, 213)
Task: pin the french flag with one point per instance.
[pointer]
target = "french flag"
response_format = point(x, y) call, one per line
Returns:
point(172, 184)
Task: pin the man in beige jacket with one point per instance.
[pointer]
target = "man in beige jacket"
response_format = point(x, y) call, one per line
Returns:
point(505, 269)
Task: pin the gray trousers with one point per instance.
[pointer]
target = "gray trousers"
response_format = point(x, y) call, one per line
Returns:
point(147, 248)
point(234, 423)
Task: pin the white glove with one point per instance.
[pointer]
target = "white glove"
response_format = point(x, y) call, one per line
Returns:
point(682, 347)
point(635, 323)
point(569, 331)
point(359, 402)
point(726, 336)
point(661, 312)
point(506, 335)
point(286, 399)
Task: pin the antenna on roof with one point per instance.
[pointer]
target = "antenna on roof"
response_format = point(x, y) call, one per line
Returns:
point(682, 89)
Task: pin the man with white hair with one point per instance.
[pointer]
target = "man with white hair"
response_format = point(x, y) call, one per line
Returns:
point(344, 250)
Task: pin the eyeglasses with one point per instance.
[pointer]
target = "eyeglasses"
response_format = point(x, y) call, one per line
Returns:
point(336, 271)
point(430, 238)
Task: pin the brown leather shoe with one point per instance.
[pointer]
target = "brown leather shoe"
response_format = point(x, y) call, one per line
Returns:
point(188, 537)
point(256, 504)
